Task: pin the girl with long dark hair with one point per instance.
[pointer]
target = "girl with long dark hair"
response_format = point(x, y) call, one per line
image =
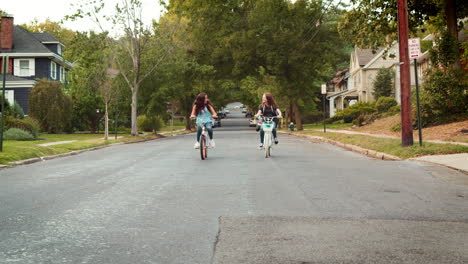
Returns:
point(268, 108)
point(204, 112)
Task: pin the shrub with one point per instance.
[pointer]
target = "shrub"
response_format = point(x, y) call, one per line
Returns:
point(384, 104)
point(28, 124)
point(383, 85)
point(150, 124)
point(396, 127)
point(17, 134)
point(6, 105)
point(364, 119)
point(443, 97)
point(394, 110)
point(17, 111)
point(50, 106)
point(352, 112)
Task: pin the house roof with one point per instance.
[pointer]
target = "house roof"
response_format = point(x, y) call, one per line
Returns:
point(25, 42)
point(366, 55)
point(45, 37)
point(12, 78)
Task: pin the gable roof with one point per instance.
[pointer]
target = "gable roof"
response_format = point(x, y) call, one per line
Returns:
point(364, 56)
point(25, 42)
point(45, 37)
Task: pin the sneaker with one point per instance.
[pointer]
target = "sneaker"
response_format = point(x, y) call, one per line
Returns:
point(211, 144)
point(260, 146)
point(197, 145)
point(276, 140)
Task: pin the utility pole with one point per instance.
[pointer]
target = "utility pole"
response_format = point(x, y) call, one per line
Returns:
point(405, 84)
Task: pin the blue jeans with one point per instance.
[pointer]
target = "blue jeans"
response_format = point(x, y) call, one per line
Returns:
point(209, 127)
point(262, 133)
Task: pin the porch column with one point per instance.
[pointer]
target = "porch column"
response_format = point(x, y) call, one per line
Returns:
point(332, 106)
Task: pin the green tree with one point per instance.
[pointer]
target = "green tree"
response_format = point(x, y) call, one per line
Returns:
point(372, 24)
point(383, 84)
point(89, 51)
point(50, 106)
point(132, 45)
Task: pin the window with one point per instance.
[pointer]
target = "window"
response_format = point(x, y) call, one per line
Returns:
point(53, 70)
point(62, 74)
point(24, 67)
point(59, 49)
point(10, 96)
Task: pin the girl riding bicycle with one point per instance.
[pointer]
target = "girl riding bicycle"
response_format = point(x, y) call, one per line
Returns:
point(268, 108)
point(204, 112)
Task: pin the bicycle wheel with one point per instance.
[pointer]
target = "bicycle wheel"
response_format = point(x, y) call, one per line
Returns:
point(267, 144)
point(202, 147)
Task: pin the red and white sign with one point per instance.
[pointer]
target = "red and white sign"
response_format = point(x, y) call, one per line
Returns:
point(414, 48)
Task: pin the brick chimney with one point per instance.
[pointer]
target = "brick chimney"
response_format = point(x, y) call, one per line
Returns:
point(6, 32)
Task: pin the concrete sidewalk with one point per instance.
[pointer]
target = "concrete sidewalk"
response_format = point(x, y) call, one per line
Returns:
point(457, 161)
point(387, 136)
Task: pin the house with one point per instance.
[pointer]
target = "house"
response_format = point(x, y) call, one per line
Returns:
point(31, 56)
point(339, 93)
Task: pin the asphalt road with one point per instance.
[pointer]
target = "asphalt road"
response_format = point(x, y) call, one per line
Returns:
point(157, 202)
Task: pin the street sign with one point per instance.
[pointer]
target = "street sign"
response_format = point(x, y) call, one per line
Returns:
point(324, 89)
point(414, 48)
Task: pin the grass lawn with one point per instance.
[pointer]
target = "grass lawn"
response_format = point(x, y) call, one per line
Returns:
point(392, 146)
point(20, 150)
point(320, 126)
point(168, 128)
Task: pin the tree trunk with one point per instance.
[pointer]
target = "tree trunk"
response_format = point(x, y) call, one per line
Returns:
point(451, 20)
point(291, 113)
point(297, 115)
point(134, 111)
point(188, 122)
point(106, 123)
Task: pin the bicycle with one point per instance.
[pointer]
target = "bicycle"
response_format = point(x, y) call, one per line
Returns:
point(268, 125)
point(203, 145)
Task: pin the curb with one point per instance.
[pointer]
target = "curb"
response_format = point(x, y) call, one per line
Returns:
point(68, 154)
point(354, 148)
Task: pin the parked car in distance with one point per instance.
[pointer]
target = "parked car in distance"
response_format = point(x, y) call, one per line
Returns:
point(252, 122)
point(217, 122)
point(244, 110)
point(226, 111)
point(221, 114)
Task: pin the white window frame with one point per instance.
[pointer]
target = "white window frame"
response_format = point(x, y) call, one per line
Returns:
point(62, 74)
point(17, 67)
point(59, 49)
point(10, 96)
point(53, 70)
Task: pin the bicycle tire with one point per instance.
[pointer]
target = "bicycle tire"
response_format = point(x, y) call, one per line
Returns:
point(202, 146)
point(267, 143)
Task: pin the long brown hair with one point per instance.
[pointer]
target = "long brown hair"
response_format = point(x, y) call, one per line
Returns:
point(200, 103)
point(270, 100)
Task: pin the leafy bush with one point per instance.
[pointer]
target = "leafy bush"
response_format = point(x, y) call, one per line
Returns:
point(384, 104)
point(394, 110)
point(50, 106)
point(17, 134)
point(396, 127)
point(28, 124)
point(365, 119)
point(352, 112)
point(443, 97)
point(17, 111)
point(150, 124)
point(383, 85)
point(6, 105)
